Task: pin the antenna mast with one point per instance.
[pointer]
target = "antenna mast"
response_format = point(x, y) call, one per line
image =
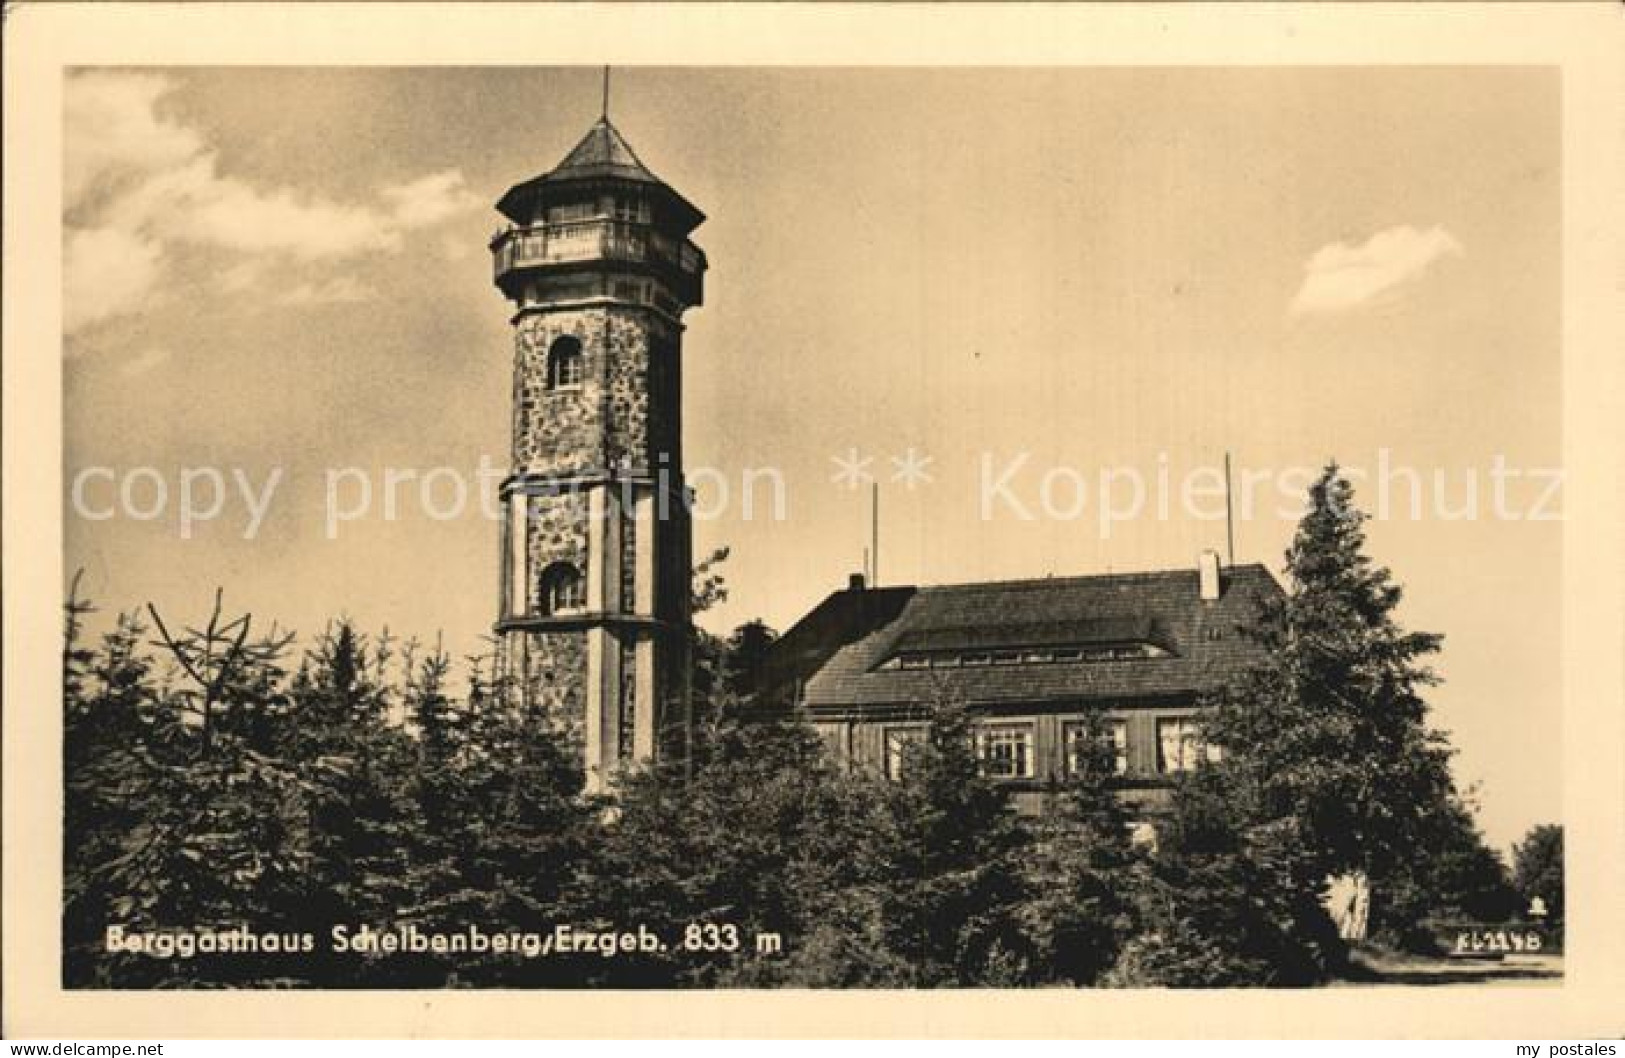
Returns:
point(604, 112)
point(1229, 517)
point(874, 532)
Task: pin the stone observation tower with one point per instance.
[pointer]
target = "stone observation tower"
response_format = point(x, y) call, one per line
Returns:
point(593, 622)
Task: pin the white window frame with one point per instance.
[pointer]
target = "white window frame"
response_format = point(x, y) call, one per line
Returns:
point(555, 579)
point(895, 741)
point(1021, 733)
point(559, 355)
point(1116, 733)
point(1190, 746)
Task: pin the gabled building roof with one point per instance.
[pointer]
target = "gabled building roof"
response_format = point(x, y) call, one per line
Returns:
point(840, 662)
point(841, 619)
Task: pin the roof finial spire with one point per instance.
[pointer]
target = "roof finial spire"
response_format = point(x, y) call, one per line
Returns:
point(604, 113)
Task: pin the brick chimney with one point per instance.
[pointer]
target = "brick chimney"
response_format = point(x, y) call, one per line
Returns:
point(1207, 575)
point(854, 582)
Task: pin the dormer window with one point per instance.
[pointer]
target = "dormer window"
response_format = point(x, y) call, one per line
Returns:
point(948, 658)
point(566, 367)
point(563, 590)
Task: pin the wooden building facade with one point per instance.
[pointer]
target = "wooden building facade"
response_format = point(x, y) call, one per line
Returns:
point(1032, 659)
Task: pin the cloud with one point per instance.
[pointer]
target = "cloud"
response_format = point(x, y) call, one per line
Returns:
point(251, 274)
point(338, 289)
point(243, 275)
point(108, 272)
point(1339, 277)
point(141, 187)
point(192, 203)
point(144, 362)
point(430, 199)
point(111, 125)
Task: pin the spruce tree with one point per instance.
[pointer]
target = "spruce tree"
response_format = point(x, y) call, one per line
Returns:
point(951, 903)
point(360, 815)
point(1461, 877)
point(1327, 737)
point(1226, 900)
point(1080, 867)
point(194, 821)
point(1538, 869)
point(108, 714)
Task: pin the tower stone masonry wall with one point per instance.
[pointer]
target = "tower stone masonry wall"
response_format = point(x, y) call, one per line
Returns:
point(557, 533)
point(606, 421)
point(548, 667)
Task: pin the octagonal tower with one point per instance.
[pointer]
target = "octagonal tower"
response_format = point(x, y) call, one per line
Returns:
point(593, 622)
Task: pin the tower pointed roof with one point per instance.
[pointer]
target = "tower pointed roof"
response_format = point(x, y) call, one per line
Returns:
point(603, 151)
point(601, 155)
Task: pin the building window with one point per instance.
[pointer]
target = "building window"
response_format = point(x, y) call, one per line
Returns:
point(1036, 655)
point(1179, 745)
point(566, 366)
point(1006, 751)
point(1113, 736)
point(632, 209)
point(563, 590)
point(898, 741)
point(571, 212)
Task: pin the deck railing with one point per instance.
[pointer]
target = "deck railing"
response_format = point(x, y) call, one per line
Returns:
point(587, 240)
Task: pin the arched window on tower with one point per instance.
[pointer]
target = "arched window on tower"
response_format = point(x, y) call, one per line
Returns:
point(563, 590)
point(566, 368)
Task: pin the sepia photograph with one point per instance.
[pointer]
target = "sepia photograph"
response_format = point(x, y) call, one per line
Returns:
point(874, 621)
point(667, 527)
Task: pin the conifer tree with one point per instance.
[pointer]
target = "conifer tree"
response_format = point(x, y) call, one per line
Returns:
point(108, 712)
point(1081, 866)
point(1226, 900)
point(1538, 869)
point(194, 826)
point(360, 816)
point(950, 905)
point(1459, 876)
point(1327, 737)
point(760, 841)
point(506, 826)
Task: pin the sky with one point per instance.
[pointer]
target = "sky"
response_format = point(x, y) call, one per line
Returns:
point(985, 288)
